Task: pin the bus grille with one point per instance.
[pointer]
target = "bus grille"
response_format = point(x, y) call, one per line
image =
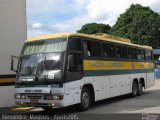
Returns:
point(34, 96)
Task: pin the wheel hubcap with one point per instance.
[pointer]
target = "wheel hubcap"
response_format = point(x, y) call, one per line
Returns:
point(85, 99)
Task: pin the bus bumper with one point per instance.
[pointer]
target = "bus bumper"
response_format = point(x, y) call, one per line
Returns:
point(39, 101)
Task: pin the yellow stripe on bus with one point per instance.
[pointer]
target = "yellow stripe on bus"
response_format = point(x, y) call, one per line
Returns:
point(115, 65)
point(7, 80)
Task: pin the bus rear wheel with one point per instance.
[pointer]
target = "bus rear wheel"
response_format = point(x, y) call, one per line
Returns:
point(140, 89)
point(85, 99)
point(134, 92)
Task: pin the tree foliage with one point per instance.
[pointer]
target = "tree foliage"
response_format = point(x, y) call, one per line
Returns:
point(140, 24)
point(93, 28)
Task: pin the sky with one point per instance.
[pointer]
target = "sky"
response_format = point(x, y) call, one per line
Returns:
point(55, 16)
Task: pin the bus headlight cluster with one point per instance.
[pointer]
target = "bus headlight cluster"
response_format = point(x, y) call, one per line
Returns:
point(53, 97)
point(19, 96)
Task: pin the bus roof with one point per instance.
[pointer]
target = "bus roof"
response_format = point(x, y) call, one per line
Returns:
point(99, 36)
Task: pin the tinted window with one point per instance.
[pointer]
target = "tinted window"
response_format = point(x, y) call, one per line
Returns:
point(121, 51)
point(148, 54)
point(75, 44)
point(132, 53)
point(108, 50)
point(140, 54)
point(124, 52)
point(118, 51)
point(92, 48)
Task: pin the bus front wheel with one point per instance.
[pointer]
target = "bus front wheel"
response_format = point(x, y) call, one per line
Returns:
point(85, 99)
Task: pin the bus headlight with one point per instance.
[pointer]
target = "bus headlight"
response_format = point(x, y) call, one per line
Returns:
point(23, 97)
point(18, 96)
point(53, 97)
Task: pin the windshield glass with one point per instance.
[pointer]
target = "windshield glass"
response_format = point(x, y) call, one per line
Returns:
point(45, 46)
point(41, 66)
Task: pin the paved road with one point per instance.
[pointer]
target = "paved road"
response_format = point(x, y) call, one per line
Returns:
point(121, 108)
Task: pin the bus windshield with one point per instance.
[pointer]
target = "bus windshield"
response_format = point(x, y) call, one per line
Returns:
point(42, 60)
point(42, 66)
point(45, 46)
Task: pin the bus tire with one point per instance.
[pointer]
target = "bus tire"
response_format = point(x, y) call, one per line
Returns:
point(85, 99)
point(140, 88)
point(134, 89)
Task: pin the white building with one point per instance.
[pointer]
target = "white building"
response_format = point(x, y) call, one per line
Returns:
point(13, 32)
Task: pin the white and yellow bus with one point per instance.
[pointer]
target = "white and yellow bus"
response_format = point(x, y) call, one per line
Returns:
point(60, 70)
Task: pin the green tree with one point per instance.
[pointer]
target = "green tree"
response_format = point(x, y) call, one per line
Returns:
point(140, 24)
point(93, 28)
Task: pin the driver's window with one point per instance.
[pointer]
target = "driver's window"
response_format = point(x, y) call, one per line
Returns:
point(74, 67)
point(74, 63)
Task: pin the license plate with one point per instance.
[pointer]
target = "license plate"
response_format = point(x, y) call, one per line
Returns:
point(34, 102)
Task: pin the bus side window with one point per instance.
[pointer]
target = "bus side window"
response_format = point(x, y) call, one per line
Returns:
point(111, 50)
point(108, 50)
point(105, 50)
point(124, 52)
point(132, 53)
point(140, 54)
point(118, 51)
point(91, 48)
point(87, 51)
point(148, 55)
point(129, 53)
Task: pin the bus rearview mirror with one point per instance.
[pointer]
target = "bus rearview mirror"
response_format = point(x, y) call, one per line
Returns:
point(13, 66)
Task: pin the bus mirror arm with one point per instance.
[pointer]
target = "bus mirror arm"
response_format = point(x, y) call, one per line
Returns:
point(12, 63)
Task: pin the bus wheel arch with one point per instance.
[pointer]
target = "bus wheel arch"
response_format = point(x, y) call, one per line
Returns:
point(91, 89)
